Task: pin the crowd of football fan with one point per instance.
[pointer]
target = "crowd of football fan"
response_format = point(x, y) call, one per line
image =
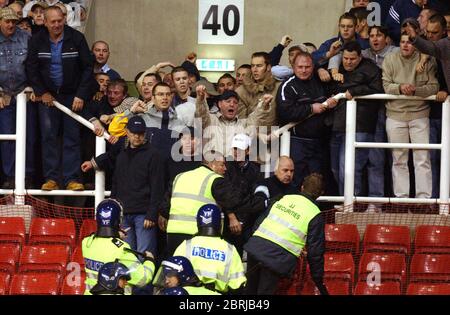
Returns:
point(180, 121)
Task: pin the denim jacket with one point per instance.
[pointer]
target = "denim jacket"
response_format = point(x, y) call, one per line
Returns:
point(13, 52)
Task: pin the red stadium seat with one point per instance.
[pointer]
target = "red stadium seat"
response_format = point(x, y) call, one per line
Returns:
point(39, 283)
point(72, 286)
point(339, 266)
point(5, 279)
point(339, 271)
point(88, 227)
point(342, 238)
point(432, 239)
point(384, 288)
point(77, 256)
point(12, 229)
point(52, 231)
point(392, 238)
point(392, 266)
point(428, 289)
point(430, 267)
point(334, 287)
point(44, 257)
point(9, 256)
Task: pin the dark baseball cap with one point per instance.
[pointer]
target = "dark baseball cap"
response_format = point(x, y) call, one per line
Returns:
point(227, 94)
point(136, 124)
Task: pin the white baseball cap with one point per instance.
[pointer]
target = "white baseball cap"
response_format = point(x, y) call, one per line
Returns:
point(241, 141)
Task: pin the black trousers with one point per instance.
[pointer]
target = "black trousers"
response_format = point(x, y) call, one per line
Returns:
point(260, 280)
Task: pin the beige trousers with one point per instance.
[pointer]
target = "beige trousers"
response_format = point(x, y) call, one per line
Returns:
point(416, 131)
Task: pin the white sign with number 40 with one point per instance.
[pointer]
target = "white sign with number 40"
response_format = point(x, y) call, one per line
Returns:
point(221, 22)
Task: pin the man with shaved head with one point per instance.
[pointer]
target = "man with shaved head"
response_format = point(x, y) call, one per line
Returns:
point(281, 183)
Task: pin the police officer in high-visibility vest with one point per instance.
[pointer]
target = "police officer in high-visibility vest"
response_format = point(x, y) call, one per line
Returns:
point(273, 250)
point(193, 189)
point(105, 246)
point(216, 262)
point(177, 271)
point(112, 279)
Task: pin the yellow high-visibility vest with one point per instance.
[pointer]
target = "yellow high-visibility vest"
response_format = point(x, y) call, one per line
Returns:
point(190, 191)
point(215, 261)
point(287, 223)
point(98, 251)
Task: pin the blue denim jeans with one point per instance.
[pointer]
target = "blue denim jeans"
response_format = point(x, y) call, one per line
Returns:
point(52, 120)
point(142, 240)
point(8, 148)
point(435, 155)
point(307, 155)
point(375, 168)
point(337, 152)
point(138, 238)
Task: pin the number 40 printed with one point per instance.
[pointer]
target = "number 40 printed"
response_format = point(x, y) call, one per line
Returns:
point(221, 22)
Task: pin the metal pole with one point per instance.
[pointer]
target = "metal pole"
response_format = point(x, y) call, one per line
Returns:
point(445, 158)
point(78, 118)
point(100, 148)
point(21, 132)
point(285, 144)
point(350, 138)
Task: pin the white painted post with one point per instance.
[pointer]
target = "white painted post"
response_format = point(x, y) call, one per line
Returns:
point(21, 132)
point(445, 158)
point(350, 138)
point(285, 144)
point(100, 148)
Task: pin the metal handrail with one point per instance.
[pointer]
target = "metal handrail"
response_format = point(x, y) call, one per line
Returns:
point(351, 145)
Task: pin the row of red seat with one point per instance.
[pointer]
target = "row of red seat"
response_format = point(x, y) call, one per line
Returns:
point(388, 270)
point(41, 283)
point(340, 287)
point(428, 238)
point(44, 230)
point(343, 237)
point(42, 257)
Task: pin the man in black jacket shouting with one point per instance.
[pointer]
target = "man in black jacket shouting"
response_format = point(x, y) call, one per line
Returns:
point(59, 67)
point(300, 100)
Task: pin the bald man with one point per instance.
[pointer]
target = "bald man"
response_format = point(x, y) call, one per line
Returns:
point(281, 183)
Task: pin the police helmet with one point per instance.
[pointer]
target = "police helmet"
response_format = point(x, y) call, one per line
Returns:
point(181, 267)
point(209, 220)
point(109, 276)
point(174, 291)
point(108, 218)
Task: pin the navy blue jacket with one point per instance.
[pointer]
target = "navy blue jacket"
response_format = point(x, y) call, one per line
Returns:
point(77, 61)
point(399, 11)
point(319, 55)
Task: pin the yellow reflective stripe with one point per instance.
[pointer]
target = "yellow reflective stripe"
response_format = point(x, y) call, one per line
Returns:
point(287, 224)
point(205, 184)
point(133, 268)
point(188, 248)
point(228, 260)
point(210, 274)
point(183, 217)
point(200, 198)
point(280, 240)
point(236, 275)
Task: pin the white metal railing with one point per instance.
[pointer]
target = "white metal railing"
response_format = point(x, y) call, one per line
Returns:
point(20, 137)
point(351, 144)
